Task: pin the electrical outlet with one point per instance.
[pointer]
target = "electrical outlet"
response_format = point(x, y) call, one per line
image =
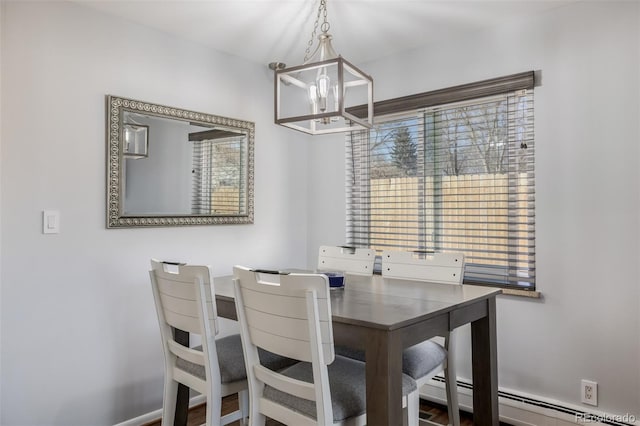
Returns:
point(589, 392)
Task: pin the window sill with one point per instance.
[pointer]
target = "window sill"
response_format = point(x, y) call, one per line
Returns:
point(509, 291)
point(531, 294)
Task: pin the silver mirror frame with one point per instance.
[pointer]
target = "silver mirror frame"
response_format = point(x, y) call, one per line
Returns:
point(115, 160)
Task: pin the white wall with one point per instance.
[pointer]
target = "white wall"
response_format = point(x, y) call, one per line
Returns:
point(326, 196)
point(1, 115)
point(80, 340)
point(587, 193)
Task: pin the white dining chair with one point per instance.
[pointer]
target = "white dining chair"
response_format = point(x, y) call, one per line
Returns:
point(423, 361)
point(183, 299)
point(350, 260)
point(290, 315)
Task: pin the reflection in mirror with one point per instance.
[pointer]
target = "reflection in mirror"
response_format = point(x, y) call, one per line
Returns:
point(170, 167)
point(135, 140)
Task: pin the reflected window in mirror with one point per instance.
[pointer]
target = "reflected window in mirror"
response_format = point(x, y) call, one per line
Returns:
point(218, 177)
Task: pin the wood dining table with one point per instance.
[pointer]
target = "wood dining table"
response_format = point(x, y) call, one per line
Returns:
point(383, 316)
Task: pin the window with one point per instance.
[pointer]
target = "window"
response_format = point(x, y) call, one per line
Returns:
point(455, 176)
point(218, 186)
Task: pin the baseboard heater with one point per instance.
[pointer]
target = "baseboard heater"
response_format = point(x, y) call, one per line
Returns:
point(582, 416)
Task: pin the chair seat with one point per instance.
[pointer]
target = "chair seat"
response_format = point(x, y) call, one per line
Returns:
point(417, 361)
point(347, 384)
point(231, 360)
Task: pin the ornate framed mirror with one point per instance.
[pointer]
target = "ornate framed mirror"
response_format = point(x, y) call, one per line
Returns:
point(168, 166)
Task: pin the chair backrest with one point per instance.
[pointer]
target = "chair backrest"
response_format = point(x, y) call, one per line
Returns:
point(183, 299)
point(351, 260)
point(446, 268)
point(289, 315)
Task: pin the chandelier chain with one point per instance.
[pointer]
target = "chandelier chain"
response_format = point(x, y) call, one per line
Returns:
point(322, 10)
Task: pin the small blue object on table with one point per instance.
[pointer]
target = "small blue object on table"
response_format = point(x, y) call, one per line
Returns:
point(336, 279)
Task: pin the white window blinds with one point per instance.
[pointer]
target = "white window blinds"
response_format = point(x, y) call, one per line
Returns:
point(455, 177)
point(218, 176)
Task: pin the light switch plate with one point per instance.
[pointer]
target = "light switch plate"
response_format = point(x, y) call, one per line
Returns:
point(50, 222)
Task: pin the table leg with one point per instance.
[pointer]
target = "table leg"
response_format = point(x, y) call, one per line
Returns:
point(182, 398)
point(383, 353)
point(485, 368)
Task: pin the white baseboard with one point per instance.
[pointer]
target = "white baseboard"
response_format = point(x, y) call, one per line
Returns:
point(157, 414)
point(520, 409)
point(516, 408)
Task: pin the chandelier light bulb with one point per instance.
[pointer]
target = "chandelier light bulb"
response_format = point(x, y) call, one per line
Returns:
point(336, 100)
point(323, 83)
point(313, 98)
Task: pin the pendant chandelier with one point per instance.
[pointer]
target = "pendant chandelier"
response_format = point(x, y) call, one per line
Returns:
point(321, 95)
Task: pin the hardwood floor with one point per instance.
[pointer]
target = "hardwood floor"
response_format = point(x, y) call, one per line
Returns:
point(432, 413)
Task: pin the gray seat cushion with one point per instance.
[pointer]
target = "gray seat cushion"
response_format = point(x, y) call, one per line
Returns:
point(417, 361)
point(348, 352)
point(231, 360)
point(421, 359)
point(347, 384)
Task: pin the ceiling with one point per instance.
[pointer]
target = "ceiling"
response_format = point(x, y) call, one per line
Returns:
point(265, 31)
